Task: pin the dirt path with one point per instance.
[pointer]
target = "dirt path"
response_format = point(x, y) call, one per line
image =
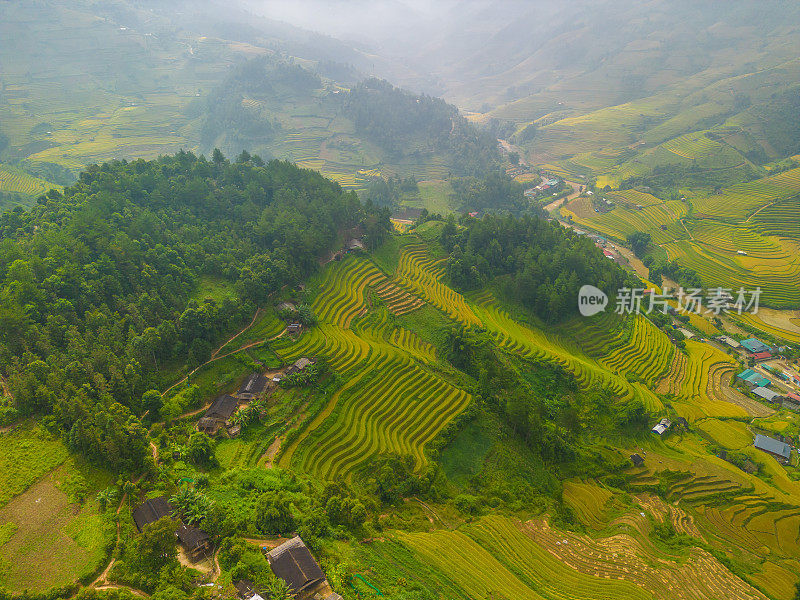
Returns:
point(266, 542)
point(555, 204)
point(220, 357)
point(433, 516)
point(269, 455)
point(255, 317)
point(113, 586)
point(101, 583)
point(759, 210)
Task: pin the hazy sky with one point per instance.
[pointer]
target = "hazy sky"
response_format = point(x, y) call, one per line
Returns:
point(387, 23)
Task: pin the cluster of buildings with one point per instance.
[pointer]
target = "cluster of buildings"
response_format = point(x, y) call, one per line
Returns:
point(219, 415)
point(547, 185)
point(194, 541)
point(291, 561)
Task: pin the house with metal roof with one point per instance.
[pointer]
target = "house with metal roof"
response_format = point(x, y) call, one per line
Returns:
point(753, 378)
point(760, 356)
point(729, 341)
point(766, 394)
point(662, 426)
point(755, 345)
point(780, 450)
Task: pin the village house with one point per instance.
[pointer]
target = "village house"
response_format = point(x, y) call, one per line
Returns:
point(637, 460)
point(286, 306)
point(662, 426)
point(753, 378)
point(292, 562)
point(780, 450)
point(760, 356)
point(729, 341)
point(766, 393)
point(294, 328)
point(151, 511)
point(218, 414)
point(194, 541)
point(355, 245)
point(245, 590)
point(299, 365)
point(252, 387)
point(754, 345)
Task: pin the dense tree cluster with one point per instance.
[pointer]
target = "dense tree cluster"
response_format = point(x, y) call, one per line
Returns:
point(97, 282)
point(494, 192)
point(540, 264)
point(230, 123)
point(405, 124)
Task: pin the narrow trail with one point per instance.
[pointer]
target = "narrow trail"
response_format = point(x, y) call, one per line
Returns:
point(555, 204)
point(252, 322)
point(217, 357)
point(759, 210)
point(101, 583)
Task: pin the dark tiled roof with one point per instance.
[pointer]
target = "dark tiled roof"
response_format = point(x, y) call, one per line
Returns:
point(151, 511)
point(222, 408)
point(244, 588)
point(292, 562)
point(191, 537)
point(254, 384)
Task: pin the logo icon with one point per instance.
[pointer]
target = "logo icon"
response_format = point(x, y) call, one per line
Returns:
point(591, 300)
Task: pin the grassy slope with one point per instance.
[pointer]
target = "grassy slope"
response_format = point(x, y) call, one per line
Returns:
point(42, 521)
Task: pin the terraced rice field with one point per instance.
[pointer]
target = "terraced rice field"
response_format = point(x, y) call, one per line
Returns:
point(421, 274)
point(787, 328)
point(633, 211)
point(19, 182)
point(391, 402)
point(731, 435)
point(532, 343)
point(780, 218)
point(588, 500)
point(695, 397)
point(738, 202)
point(493, 559)
point(630, 559)
point(496, 557)
point(645, 351)
point(778, 276)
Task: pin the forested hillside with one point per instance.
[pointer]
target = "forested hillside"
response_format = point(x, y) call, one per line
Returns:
point(97, 281)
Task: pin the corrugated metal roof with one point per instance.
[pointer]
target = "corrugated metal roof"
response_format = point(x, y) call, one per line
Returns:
point(765, 393)
point(773, 446)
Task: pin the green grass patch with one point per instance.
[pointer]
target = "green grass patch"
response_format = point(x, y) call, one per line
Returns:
point(213, 288)
point(463, 458)
point(26, 454)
